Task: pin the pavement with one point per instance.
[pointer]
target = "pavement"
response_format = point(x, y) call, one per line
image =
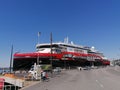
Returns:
point(107, 78)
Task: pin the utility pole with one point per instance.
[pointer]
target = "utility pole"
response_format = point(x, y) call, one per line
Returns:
point(51, 59)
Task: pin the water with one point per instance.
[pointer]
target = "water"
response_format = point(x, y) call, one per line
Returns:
point(4, 70)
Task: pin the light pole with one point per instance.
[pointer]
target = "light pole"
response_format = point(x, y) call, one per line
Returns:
point(39, 33)
point(38, 58)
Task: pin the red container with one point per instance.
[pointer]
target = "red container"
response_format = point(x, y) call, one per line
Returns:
point(2, 80)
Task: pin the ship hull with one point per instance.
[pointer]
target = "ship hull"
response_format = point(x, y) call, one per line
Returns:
point(26, 63)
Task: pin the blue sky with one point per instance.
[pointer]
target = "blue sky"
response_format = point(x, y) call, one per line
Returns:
point(85, 22)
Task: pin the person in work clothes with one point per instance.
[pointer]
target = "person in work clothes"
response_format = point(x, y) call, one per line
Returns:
point(43, 75)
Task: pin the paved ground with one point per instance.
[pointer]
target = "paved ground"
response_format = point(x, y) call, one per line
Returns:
point(95, 79)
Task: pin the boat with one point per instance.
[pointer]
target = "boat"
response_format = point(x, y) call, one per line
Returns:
point(59, 54)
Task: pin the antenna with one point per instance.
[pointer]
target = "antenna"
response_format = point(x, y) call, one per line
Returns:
point(66, 40)
point(72, 42)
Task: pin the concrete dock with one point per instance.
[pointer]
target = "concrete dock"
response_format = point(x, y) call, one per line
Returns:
point(96, 79)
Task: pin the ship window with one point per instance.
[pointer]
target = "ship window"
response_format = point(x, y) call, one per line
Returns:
point(56, 51)
point(41, 49)
point(47, 46)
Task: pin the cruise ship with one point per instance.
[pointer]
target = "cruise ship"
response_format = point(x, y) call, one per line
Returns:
point(61, 54)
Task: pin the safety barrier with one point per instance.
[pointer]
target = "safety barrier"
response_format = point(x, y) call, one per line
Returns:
point(10, 87)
